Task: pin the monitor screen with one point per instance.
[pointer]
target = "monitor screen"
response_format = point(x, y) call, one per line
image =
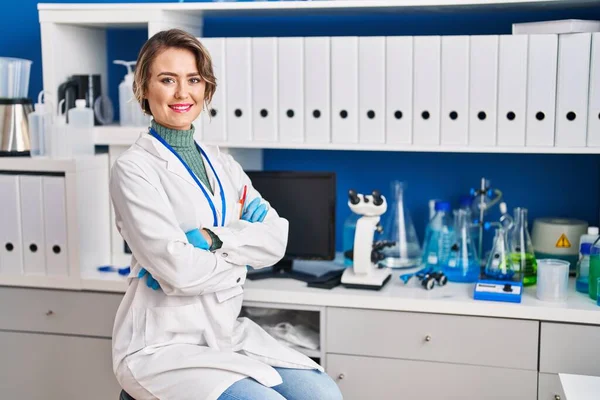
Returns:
point(307, 201)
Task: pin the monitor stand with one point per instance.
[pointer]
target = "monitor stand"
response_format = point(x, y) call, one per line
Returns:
point(283, 269)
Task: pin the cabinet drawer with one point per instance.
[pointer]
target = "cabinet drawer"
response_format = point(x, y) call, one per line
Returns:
point(550, 387)
point(362, 378)
point(55, 311)
point(570, 349)
point(433, 337)
point(38, 366)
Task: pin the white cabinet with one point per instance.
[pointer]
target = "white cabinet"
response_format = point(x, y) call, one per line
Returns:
point(550, 388)
point(361, 378)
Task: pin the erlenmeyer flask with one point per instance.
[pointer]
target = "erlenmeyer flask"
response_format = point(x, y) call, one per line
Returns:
point(399, 229)
point(462, 264)
point(521, 248)
point(499, 265)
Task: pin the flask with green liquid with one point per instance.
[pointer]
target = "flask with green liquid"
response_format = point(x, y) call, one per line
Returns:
point(521, 248)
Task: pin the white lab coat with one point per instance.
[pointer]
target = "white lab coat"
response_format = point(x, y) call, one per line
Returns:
point(186, 341)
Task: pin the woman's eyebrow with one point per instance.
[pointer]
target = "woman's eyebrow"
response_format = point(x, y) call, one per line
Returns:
point(174, 74)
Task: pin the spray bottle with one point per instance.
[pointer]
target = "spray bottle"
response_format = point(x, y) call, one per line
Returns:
point(129, 109)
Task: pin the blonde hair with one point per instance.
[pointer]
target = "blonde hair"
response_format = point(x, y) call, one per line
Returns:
point(173, 38)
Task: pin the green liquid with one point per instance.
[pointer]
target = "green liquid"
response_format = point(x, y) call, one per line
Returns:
point(526, 266)
point(594, 275)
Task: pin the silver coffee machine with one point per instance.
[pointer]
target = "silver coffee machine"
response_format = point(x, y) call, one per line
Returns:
point(14, 107)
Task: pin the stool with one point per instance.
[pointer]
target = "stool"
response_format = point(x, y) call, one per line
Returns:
point(125, 396)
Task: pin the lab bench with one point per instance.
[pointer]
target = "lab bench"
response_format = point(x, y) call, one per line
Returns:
point(400, 341)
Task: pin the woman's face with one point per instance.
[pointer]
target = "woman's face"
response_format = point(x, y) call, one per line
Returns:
point(175, 91)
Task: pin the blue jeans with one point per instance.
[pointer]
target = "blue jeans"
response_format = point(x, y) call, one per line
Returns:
point(298, 384)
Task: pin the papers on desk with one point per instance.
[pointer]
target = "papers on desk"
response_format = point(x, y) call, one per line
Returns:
point(580, 387)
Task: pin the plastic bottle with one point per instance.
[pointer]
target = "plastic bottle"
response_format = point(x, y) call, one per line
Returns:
point(58, 144)
point(594, 269)
point(129, 109)
point(583, 265)
point(40, 125)
point(80, 129)
point(438, 237)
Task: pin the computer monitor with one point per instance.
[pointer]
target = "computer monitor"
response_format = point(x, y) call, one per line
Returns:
point(307, 201)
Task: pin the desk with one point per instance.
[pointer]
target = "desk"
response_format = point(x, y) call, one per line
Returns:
point(400, 342)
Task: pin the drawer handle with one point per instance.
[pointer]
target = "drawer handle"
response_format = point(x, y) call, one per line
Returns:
point(49, 313)
point(556, 397)
point(341, 376)
point(428, 338)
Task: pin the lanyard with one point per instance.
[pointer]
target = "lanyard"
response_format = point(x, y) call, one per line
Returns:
point(210, 202)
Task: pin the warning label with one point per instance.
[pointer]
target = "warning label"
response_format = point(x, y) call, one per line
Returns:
point(563, 242)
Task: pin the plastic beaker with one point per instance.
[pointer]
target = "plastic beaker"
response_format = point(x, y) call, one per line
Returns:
point(399, 229)
point(552, 279)
point(14, 77)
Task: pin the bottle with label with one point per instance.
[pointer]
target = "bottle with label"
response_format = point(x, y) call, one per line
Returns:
point(438, 237)
point(81, 129)
point(583, 265)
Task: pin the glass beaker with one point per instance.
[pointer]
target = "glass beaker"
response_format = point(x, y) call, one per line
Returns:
point(399, 229)
point(521, 248)
point(462, 264)
point(499, 265)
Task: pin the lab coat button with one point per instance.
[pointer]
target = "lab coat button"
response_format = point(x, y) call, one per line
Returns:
point(238, 280)
point(224, 255)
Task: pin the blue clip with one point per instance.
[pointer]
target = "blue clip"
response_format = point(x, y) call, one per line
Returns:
point(109, 268)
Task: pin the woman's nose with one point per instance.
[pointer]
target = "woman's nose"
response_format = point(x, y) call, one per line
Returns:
point(182, 91)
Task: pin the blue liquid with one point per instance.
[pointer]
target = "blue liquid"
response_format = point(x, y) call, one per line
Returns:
point(582, 285)
point(462, 274)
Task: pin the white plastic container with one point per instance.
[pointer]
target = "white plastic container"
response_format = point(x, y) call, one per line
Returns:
point(58, 144)
point(80, 129)
point(552, 279)
point(129, 109)
point(40, 125)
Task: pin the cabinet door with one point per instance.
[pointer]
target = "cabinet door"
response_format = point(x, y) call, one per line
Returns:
point(570, 349)
point(550, 388)
point(56, 367)
point(362, 378)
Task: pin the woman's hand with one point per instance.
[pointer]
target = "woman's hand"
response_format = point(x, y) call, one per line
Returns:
point(255, 211)
point(206, 237)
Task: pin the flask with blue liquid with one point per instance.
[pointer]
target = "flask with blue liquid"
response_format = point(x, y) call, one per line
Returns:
point(438, 237)
point(462, 263)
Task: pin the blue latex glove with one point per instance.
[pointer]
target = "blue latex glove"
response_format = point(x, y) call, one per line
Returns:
point(195, 238)
point(255, 211)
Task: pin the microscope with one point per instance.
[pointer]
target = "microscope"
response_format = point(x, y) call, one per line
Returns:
point(365, 274)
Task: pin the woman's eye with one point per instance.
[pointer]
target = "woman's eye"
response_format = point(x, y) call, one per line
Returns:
point(195, 80)
point(167, 80)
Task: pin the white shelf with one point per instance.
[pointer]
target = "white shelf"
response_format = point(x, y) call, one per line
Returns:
point(44, 164)
point(103, 281)
point(41, 281)
point(138, 14)
point(114, 135)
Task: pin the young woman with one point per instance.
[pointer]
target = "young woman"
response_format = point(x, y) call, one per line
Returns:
point(177, 206)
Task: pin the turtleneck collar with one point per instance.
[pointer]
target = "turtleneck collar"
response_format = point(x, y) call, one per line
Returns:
point(176, 138)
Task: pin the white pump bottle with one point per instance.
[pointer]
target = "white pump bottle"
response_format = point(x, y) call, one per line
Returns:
point(129, 109)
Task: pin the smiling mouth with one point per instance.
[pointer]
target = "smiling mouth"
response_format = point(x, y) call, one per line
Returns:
point(181, 108)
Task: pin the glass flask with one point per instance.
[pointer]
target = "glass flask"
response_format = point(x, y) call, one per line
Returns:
point(462, 263)
point(499, 265)
point(438, 237)
point(399, 230)
point(521, 248)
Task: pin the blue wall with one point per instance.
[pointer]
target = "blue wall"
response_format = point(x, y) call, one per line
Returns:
point(548, 185)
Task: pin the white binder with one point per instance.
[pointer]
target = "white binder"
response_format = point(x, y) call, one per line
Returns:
point(572, 89)
point(291, 89)
point(264, 89)
point(593, 128)
point(541, 90)
point(426, 90)
point(399, 89)
point(371, 81)
point(214, 119)
point(55, 226)
point(512, 89)
point(32, 224)
point(344, 89)
point(455, 91)
point(11, 247)
point(238, 70)
point(483, 86)
point(317, 73)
